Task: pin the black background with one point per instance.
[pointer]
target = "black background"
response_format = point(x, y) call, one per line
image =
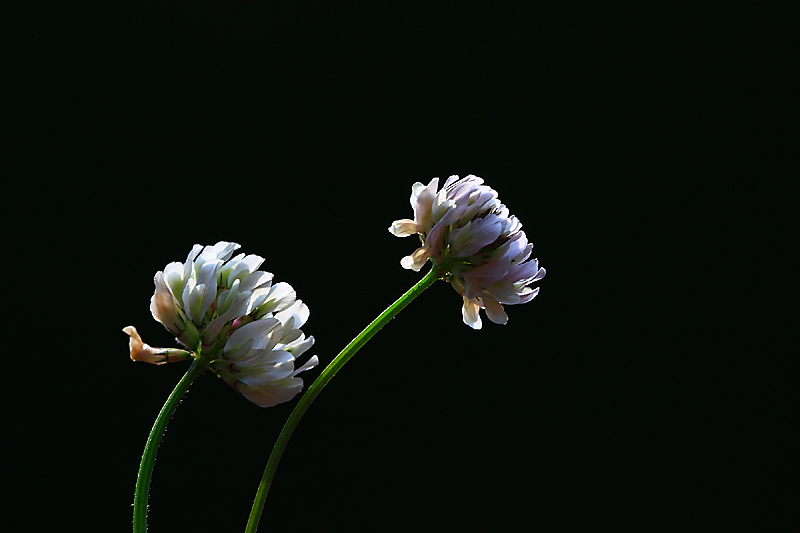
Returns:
point(625, 394)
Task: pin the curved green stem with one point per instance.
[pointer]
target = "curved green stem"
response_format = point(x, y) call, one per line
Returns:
point(308, 398)
point(154, 440)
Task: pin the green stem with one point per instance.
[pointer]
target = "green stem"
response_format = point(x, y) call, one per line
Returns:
point(154, 440)
point(308, 398)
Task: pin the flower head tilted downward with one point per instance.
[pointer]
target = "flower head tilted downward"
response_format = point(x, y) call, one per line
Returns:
point(478, 247)
point(227, 309)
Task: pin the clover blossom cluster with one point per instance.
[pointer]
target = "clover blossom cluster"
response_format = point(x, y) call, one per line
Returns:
point(475, 243)
point(226, 308)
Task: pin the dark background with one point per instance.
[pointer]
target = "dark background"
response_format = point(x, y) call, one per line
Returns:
point(625, 394)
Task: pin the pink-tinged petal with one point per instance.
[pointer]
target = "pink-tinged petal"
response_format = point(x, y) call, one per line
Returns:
point(403, 228)
point(450, 181)
point(435, 242)
point(495, 311)
point(536, 277)
point(472, 287)
point(423, 203)
point(475, 235)
point(418, 189)
point(529, 270)
point(503, 292)
point(489, 273)
point(523, 255)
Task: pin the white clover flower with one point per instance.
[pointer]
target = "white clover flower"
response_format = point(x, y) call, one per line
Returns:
point(229, 310)
point(480, 249)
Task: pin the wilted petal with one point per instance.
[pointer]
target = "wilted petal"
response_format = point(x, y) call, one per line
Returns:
point(142, 352)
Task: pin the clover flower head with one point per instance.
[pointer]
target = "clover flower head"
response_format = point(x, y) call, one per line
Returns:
point(469, 235)
point(224, 306)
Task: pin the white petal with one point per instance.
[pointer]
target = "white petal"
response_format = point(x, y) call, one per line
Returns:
point(239, 267)
point(196, 249)
point(237, 309)
point(416, 260)
point(281, 296)
point(207, 278)
point(471, 314)
point(299, 346)
point(222, 251)
point(269, 396)
point(173, 277)
point(191, 299)
point(256, 280)
point(403, 228)
point(162, 305)
point(311, 363)
point(298, 310)
point(263, 333)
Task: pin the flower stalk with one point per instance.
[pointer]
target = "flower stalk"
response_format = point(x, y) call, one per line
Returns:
point(322, 380)
point(197, 367)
